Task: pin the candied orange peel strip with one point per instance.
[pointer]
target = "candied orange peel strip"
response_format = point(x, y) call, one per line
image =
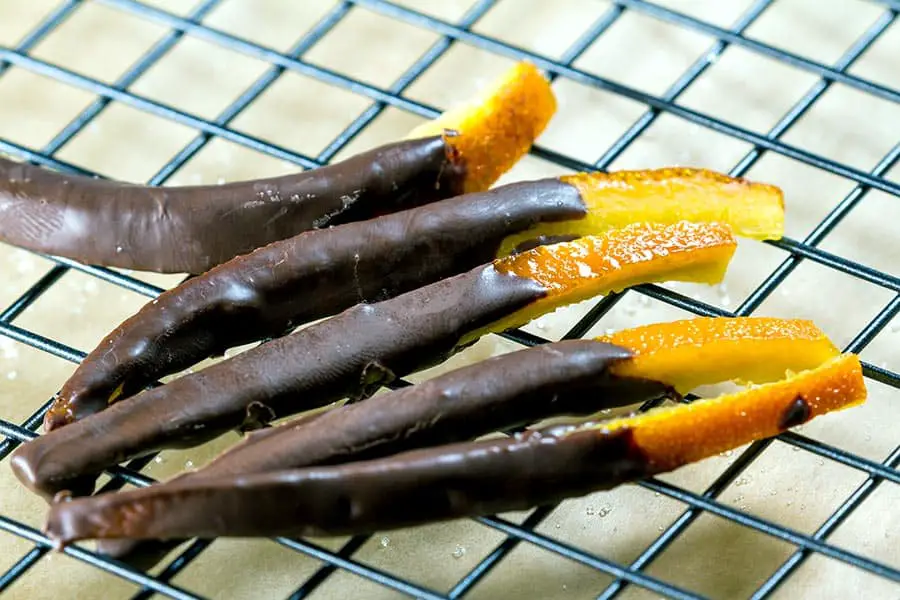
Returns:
point(616, 260)
point(678, 435)
point(753, 210)
point(495, 130)
point(706, 350)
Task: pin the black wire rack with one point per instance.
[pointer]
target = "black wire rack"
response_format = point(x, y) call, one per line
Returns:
point(462, 32)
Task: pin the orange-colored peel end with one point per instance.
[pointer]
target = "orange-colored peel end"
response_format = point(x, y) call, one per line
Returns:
point(707, 350)
point(616, 260)
point(614, 200)
point(674, 436)
point(493, 132)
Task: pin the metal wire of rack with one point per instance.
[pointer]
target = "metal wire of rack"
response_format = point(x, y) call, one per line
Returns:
point(695, 504)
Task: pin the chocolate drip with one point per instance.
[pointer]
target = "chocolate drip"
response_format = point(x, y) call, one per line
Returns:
point(542, 240)
point(797, 413)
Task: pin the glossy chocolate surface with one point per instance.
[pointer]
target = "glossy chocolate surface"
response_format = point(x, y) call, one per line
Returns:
point(190, 229)
point(797, 413)
point(310, 276)
point(351, 354)
point(467, 479)
point(514, 389)
point(565, 378)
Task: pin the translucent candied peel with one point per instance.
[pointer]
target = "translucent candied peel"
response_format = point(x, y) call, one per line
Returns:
point(618, 259)
point(753, 210)
point(498, 128)
point(674, 436)
point(707, 350)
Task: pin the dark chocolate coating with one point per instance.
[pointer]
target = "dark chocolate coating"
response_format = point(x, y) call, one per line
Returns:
point(797, 413)
point(542, 240)
point(190, 229)
point(564, 378)
point(467, 479)
point(304, 278)
point(351, 354)
point(506, 391)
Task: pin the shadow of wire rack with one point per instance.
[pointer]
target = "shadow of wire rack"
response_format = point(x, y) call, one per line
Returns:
point(693, 504)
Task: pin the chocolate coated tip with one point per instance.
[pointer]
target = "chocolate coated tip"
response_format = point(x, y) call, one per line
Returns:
point(29, 468)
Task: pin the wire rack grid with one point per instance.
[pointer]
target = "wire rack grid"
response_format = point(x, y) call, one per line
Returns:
point(694, 504)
